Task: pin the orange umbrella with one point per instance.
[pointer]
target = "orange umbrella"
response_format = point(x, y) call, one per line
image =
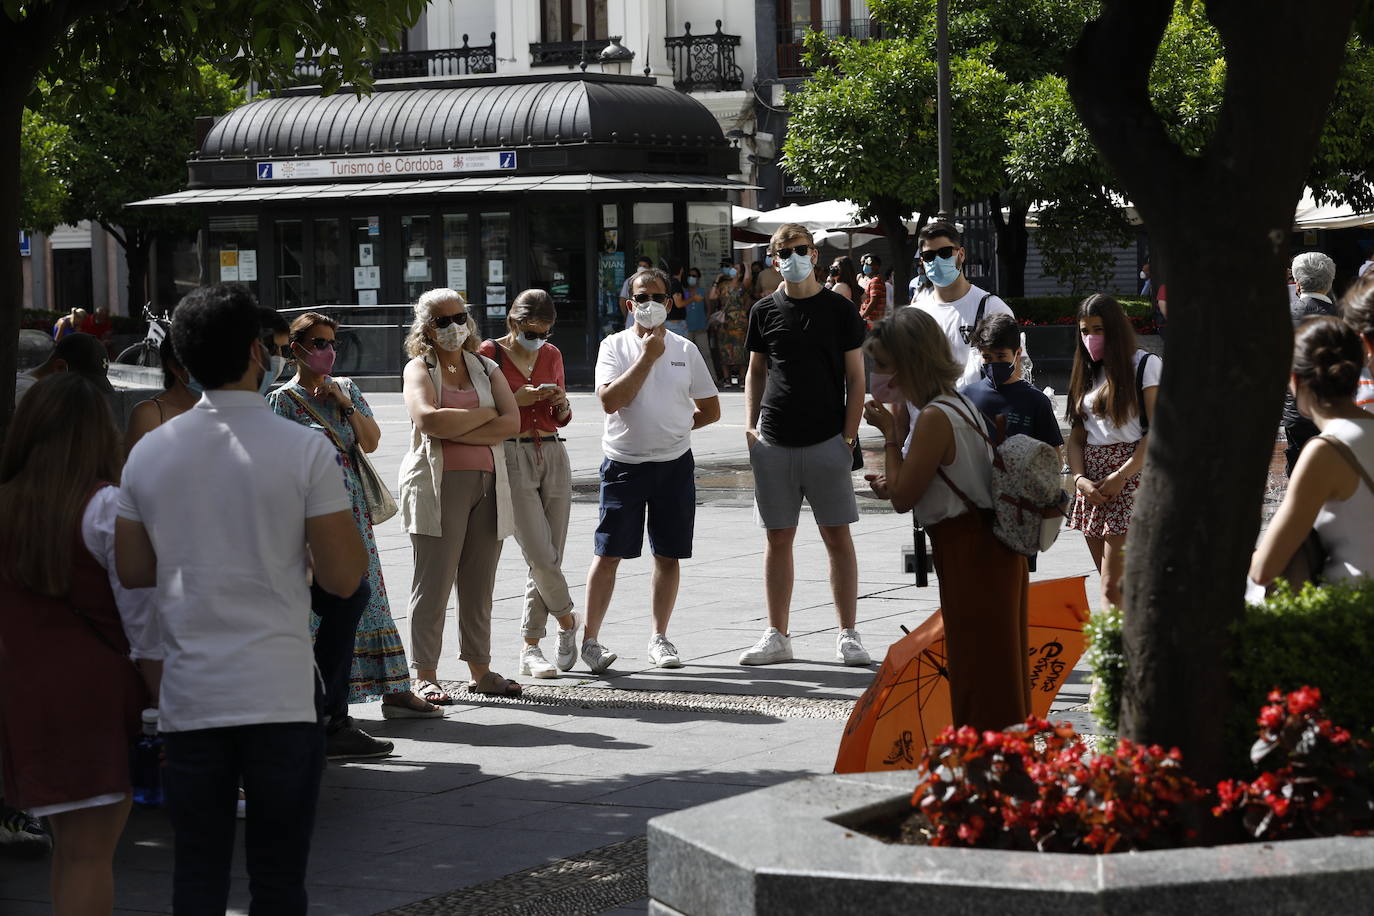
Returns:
point(908, 703)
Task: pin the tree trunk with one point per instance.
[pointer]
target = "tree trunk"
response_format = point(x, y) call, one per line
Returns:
point(1219, 225)
point(890, 215)
point(136, 250)
point(1013, 246)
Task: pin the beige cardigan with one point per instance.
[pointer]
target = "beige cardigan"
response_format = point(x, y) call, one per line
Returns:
point(422, 469)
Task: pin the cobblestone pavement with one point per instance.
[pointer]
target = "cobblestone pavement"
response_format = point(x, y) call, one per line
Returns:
point(540, 805)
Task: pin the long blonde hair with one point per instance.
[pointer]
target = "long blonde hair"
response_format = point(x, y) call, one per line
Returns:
point(417, 342)
point(62, 442)
point(918, 353)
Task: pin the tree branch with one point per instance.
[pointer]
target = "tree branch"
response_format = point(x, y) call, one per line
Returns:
point(113, 230)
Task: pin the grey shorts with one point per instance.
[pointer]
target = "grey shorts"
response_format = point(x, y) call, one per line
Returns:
point(819, 473)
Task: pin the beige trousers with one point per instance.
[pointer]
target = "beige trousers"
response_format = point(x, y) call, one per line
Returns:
point(541, 495)
point(465, 558)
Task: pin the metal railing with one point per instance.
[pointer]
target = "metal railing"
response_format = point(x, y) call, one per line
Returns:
point(409, 64)
point(704, 62)
point(791, 40)
point(565, 53)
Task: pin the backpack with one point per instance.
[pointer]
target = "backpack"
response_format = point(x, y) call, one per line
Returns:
point(1028, 499)
point(1140, 393)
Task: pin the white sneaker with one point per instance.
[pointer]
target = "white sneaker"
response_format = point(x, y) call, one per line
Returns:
point(534, 664)
point(566, 656)
point(663, 653)
point(772, 647)
point(596, 656)
point(849, 650)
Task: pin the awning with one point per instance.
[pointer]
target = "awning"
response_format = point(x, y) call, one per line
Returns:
point(495, 184)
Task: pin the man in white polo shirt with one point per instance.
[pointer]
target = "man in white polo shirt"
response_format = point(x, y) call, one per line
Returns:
point(216, 509)
point(655, 389)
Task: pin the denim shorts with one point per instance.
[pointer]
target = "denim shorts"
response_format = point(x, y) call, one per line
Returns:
point(821, 474)
point(666, 490)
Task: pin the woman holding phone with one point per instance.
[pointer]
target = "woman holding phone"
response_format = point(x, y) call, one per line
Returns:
point(540, 475)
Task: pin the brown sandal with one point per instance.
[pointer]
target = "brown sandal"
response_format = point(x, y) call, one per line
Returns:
point(494, 685)
point(432, 693)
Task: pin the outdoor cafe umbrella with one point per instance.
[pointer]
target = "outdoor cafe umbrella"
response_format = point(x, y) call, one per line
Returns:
point(908, 703)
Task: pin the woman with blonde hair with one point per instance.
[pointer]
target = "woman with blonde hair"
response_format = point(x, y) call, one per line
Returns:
point(455, 496)
point(68, 762)
point(943, 471)
point(540, 475)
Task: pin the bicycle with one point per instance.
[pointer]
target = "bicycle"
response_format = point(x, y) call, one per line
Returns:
point(148, 351)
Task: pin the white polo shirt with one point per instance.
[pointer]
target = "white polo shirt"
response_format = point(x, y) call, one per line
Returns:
point(224, 491)
point(657, 424)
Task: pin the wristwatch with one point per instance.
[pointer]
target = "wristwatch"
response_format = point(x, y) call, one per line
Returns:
point(850, 442)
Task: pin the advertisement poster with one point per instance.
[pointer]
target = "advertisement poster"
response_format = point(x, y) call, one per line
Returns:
point(228, 266)
point(457, 275)
point(374, 225)
point(496, 295)
point(610, 276)
point(365, 254)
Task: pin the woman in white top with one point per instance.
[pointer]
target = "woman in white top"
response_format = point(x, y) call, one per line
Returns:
point(1327, 492)
point(1107, 441)
point(945, 475)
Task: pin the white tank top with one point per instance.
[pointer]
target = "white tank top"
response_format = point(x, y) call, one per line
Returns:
point(1346, 528)
point(971, 469)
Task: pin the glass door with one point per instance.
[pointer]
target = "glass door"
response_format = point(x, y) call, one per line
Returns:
point(456, 253)
point(419, 276)
point(325, 250)
point(366, 255)
point(558, 263)
point(495, 270)
point(290, 274)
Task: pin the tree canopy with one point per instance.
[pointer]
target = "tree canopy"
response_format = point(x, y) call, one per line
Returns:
point(43, 144)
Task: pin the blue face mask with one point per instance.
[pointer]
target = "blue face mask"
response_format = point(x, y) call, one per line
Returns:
point(194, 386)
point(796, 268)
point(731, 272)
point(868, 270)
point(692, 281)
point(943, 271)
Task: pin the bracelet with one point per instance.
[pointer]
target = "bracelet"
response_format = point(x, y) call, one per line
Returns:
point(1077, 478)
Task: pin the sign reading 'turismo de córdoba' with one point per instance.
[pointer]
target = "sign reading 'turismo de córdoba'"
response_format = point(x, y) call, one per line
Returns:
point(387, 166)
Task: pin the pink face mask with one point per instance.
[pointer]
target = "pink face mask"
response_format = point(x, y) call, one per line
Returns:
point(1096, 345)
point(320, 362)
point(883, 390)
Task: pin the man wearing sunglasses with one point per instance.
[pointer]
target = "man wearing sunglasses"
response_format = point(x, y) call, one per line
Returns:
point(655, 389)
point(804, 395)
point(955, 303)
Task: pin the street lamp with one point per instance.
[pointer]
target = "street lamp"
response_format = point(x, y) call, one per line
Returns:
point(946, 144)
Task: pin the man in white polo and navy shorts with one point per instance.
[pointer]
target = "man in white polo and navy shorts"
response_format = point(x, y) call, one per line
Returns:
point(804, 394)
point(655, 389)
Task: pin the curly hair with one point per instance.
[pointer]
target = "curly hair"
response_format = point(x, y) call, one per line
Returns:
point(417, 341)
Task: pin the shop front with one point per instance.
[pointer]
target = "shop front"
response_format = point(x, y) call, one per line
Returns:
point(485, 185)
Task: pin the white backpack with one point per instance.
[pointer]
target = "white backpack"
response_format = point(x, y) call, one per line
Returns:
point(1028, 499)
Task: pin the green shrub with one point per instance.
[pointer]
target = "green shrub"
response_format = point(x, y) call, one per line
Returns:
point(1051, 309)
point(1322, 636)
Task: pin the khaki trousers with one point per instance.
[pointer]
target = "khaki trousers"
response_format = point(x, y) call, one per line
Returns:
point(465, 558)
point(983, 592)
point(541, 495)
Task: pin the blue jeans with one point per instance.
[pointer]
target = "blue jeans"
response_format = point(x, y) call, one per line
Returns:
point(280, 765)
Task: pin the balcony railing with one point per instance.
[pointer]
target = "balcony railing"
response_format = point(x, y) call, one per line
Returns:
point(409, 64)
point(565, 53)
point(790, 40)
point(704, 62)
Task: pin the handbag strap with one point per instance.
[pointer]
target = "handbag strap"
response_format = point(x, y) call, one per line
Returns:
point(1345, 452)
point(314, 415)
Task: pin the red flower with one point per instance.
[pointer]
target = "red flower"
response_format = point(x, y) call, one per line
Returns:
point(1304, 699)
point(1271, 718)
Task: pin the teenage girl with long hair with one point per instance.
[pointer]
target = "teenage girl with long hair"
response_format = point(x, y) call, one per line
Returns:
point(1107, 441)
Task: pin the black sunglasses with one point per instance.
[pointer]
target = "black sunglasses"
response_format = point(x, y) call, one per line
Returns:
point(642, 298)
point(786, 253)
point(320, 343)
point(535, 335)
point(273, 350)
point(443, 321)
point(932, 254)
point(834, 270)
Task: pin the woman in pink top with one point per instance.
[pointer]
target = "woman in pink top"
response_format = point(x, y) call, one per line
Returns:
point(540, 475)
point(455, 499)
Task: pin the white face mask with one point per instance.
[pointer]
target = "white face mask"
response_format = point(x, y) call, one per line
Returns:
point(451, 337)
point(650, 314)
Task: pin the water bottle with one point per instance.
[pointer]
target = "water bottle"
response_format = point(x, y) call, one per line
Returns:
point(147, 763)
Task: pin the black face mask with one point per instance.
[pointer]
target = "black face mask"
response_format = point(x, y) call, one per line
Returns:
point(998, 373)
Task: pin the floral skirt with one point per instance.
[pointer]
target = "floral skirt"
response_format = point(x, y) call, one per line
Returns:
point(1113, 517)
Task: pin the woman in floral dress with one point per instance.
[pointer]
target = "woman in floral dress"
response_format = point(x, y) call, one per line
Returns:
point(379, 658)
point(731, 298)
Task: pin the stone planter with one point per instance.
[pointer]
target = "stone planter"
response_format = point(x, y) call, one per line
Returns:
point(787, 850)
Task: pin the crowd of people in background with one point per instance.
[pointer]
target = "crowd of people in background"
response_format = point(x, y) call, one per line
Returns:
point(252, 645)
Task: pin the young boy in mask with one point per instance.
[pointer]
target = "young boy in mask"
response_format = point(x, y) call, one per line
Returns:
point(1001, 391)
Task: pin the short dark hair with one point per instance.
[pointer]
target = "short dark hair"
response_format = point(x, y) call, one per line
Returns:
point(873, 259)
point(997, 332)
point(212, 330)
point(941, 229)
point(273, 323)
point(168, 356)
point(646, 259)
point(652, 275)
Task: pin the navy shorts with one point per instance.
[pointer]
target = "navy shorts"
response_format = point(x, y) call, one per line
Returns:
point(667, 489)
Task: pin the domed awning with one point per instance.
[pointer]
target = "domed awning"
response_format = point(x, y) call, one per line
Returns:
point(575, 123)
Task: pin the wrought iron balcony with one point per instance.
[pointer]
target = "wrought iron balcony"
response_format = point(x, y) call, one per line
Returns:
point(704, 63)
point(792, 37)
point(565, 53)
point(409, 64)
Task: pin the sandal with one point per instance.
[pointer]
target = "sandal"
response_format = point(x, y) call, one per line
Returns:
point(432, 693)
point(494, 685)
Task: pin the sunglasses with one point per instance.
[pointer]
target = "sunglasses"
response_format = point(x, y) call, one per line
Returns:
point(274, 350)
point(834, 270)
point(785, 253)
point(319, 343)
point(443, 321)
point(932, 254)
point(536, 335)
point(642, 298)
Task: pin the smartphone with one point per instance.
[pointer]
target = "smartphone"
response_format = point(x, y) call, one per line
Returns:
point(547, 386)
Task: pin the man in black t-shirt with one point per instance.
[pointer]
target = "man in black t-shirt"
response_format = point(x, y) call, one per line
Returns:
point(804, 393)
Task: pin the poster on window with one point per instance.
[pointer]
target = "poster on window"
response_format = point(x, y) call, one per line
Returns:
point(248, 266)
point(610, 276)
point(456, 275)
point(228, 266)
point(367, 277)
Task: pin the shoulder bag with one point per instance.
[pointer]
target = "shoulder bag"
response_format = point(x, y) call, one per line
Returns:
point(381, 506)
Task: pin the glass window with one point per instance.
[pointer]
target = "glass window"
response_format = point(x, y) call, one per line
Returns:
point(495, 277)
point(708, 237)
point(456, 253)
point(288, 249)
point(573, 20)
point(558, 263)
point(366, 256)
point(610, 273)
point(415, 240)
point(326, 258)
point(654, 232)
point(229, 237)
